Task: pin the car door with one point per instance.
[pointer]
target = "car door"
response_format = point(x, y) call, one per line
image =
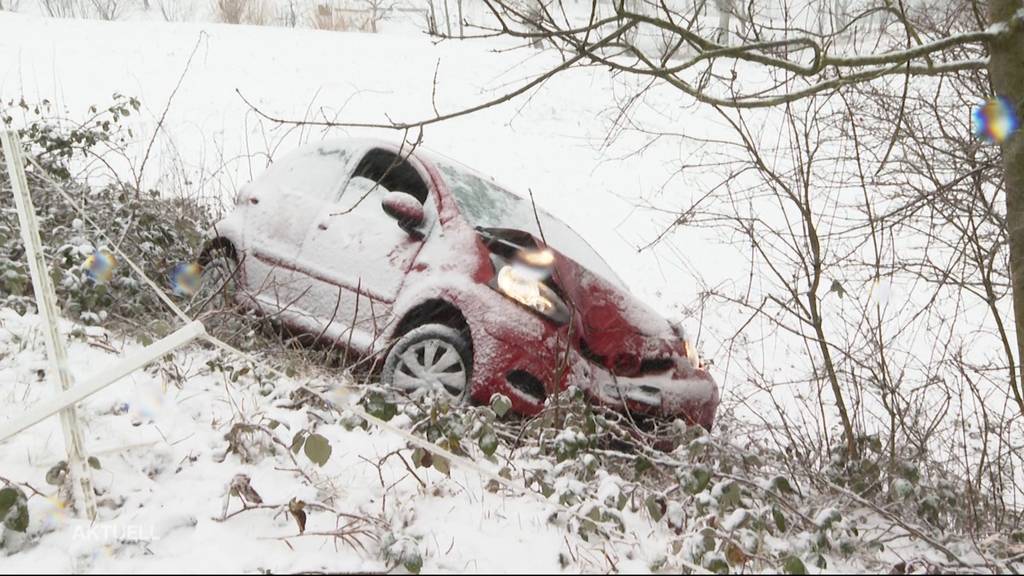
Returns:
point(356, 256)
point(280, 205)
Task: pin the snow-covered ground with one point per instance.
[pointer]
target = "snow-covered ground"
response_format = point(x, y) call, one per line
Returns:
point(164, 476)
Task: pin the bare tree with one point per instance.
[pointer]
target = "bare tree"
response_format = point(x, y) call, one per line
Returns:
point(801, 65)
point(377, 10)
point(289, 14)
point(176, 10)
point(1006, 71)
point(725, 10)
point(108, 9)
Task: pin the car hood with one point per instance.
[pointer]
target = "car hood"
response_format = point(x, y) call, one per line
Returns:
point(611, 326)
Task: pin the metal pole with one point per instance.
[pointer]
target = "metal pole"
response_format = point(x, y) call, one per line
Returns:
point(59, 375)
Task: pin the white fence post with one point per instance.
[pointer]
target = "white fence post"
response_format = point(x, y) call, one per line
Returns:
point(59, 375)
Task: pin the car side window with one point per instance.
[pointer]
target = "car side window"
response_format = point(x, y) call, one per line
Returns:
point(317, 170)
point(390, 171)
point(485, 204)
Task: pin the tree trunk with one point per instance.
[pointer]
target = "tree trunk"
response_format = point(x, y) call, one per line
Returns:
point(724, 17)
point(1006, 70)
point(447, 19)
point(462, 32)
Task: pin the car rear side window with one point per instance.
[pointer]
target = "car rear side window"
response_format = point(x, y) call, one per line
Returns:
point(317, 169)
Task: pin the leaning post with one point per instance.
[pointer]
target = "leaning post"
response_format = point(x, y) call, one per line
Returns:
point(58, 373)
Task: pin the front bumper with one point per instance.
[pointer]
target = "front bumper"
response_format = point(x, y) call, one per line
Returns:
point(510, 341)
point(521, 343)
point(684, 393)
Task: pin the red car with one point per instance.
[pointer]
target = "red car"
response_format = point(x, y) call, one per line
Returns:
point(456, 281)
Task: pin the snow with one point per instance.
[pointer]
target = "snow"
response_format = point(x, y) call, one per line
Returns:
point(165, 474)
point(736, 519)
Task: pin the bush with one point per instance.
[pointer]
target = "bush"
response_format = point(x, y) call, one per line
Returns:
point(155, 230)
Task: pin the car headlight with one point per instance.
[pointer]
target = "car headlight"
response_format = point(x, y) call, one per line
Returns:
point(526, 287)
point(690, 351)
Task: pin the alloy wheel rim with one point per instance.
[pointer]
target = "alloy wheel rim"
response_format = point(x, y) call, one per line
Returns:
point(428, 363)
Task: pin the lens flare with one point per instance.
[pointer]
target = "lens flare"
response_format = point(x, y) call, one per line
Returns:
point(539, 258)
point(186, 278)
point(534, 264)
point(147, 402)
point(995, 121)
point(55, 513)
point(100, 265)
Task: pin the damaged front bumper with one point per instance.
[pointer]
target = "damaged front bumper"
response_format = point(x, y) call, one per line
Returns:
point(512, 346)
point(691, 394)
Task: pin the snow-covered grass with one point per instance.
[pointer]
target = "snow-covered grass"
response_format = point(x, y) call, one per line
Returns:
point(159, 437)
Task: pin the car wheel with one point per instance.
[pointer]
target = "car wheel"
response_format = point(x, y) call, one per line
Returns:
point(428, 356)
point(219, 281)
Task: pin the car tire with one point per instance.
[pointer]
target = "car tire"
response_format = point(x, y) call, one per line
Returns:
point(430, 355)
point(219, 283)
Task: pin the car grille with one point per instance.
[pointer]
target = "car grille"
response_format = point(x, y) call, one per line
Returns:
point(656, 365)
point(631, 368)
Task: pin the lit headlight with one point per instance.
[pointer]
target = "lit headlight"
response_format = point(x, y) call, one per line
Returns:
point(524, 286)
point(690, 351)
point(542, 259)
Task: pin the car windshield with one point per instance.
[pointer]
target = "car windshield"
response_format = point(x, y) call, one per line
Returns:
point(487, 205)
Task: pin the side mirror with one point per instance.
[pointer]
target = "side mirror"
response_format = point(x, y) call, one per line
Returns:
point(404, 208)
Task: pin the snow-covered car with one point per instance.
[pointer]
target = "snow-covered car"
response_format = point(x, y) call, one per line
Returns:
point(452, 279)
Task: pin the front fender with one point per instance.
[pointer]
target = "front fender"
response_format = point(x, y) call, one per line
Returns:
point(506, 338)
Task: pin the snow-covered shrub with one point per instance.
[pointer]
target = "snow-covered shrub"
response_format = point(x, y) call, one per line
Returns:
point(157, 231)
point(13, 517)
point(326, 16)
point(720, 502)
point(401, 550)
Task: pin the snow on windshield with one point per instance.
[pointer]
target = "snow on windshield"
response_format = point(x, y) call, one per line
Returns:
point(487, 205)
